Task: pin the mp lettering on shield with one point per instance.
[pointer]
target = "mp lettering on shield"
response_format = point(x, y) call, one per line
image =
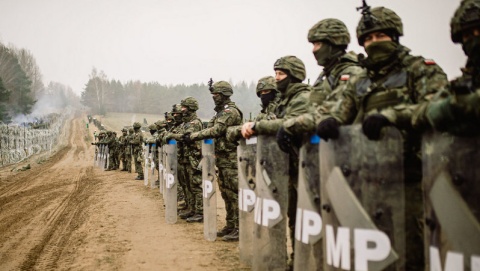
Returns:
point(453, 261)
point(267, 212)
point(246, 200)
point(369, 245)
point(170, 181)
point(207, 189)
point(308, 226)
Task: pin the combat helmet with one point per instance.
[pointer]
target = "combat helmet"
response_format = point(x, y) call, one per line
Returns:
point(331, 30)
point(176, 108)
point(109, 132)
point(136, 125)
point(152, 127)
point(293, 65)
point(124, 130)
point(264, 83)
point(379, 19)
point(222, 87)
point(466, 16)
point(130, 130)
point(190, 103)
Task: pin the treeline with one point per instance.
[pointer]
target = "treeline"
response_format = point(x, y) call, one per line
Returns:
point(21, 85)
point(104, 95)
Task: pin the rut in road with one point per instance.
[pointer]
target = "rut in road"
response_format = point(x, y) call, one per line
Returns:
point(47, 202)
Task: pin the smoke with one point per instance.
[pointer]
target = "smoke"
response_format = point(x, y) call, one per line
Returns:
point(45, 105)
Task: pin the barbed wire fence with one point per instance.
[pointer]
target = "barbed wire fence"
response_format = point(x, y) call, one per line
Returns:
point(20, 141)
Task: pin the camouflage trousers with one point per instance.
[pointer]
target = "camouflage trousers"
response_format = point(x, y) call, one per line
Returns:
point(228, 184)
point(138, 163)
point(183, 191)
point(193, 179)
point(122, 157)
point(111, 157)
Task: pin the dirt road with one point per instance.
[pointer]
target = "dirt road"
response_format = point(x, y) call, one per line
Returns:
point(66, 214)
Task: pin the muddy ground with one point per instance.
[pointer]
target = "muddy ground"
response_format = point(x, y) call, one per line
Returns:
point(66, 214)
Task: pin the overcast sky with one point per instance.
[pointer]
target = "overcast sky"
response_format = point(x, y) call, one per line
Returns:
point(189, 41)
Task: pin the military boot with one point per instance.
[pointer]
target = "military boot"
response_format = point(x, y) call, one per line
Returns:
point(186, 214)
point(195, 218)
point(232, 236)
point(226, 230)
point(139, 177)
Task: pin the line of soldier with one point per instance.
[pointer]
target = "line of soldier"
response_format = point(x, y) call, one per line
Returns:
point(388, 97)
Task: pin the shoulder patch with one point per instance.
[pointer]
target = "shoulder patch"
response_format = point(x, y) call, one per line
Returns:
point(344, 77)
point(227, 110)
point(226, 106)
point(429, 62)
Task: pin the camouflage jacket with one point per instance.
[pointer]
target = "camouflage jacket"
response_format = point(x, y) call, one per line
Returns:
point(396, 91)
point(234, 133)
point(137, 141)
point(327, 89)
point(189, 153)
point(293, 104)
point(226, 116)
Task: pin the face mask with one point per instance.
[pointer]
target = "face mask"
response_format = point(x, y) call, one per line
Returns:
point(283, 84)
point(218, 99)
point(379, 52)
point(267, 98)
point(472, 49)
point(152, 132)
point(326, 53)
point(186, 116)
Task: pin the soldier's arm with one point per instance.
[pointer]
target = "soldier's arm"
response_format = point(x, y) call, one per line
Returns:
point(345, 108)
point(299, 117)
point(218, 129)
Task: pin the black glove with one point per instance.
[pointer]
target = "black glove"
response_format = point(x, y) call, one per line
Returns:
point(328, 128)
point(372, 126)
point(186, 138)
point(283, 140)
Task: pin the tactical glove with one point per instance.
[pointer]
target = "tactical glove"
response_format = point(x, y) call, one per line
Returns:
point(186, 138)
point(328, 128)
point(286, 141)
point(372, 126)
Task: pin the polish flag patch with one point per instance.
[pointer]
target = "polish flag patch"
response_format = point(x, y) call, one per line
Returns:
point(430, 62)
point(344, 77)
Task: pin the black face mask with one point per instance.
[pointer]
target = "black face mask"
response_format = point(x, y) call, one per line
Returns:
point(327, 53)
point(186, 116)
point(152, 132)
point(218, 99)
point(283, 84)
point(380, 53)
point(267, 98)
point(472, 49)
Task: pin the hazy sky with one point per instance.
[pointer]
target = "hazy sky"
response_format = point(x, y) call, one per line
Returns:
point(189, 41)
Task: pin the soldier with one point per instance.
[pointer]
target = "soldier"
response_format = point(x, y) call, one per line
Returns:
point(129, 149)
point(122, 146)
point(110, 142)
point(330, 39)
point(228, 114)
point(267, 92)
point(289, 74)
point(136, 142)
point(459, 113)
point(392, 87)
point(189, 159)
point(115, 158)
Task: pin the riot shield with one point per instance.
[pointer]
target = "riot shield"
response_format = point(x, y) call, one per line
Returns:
point(107, 157)
point(363, 201)
point(209, 189)
point(153, 152)
point(452, 201)
point(270, 214)
point(147, 156)
point(308, 228)
point(164, 170)
point(95, 156)
point(100, 156)
point(247, 157)
point(171, 182)
point(161, 168)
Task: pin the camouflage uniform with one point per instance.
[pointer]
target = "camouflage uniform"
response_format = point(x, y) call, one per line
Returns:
point(228, 114)
point(294, 102)
point(136, 142)
point(122, 154)
point(189, 157)
point(387, 93)
point(268, 109)
point(129, 149)
point(110, 142)
point(115, 160)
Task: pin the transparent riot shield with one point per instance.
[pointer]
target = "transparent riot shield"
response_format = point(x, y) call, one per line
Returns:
point(171, 182)
point(164, 171)
point(363, 201)
point(209, 189)
point(153, 166)
point(147, 156)
point(161, 168)
point(270, 214)
point(95, 156)
point(308, 228)
point(100, 156)
point(107, 157)
point(451, 175)
point(247, 157)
